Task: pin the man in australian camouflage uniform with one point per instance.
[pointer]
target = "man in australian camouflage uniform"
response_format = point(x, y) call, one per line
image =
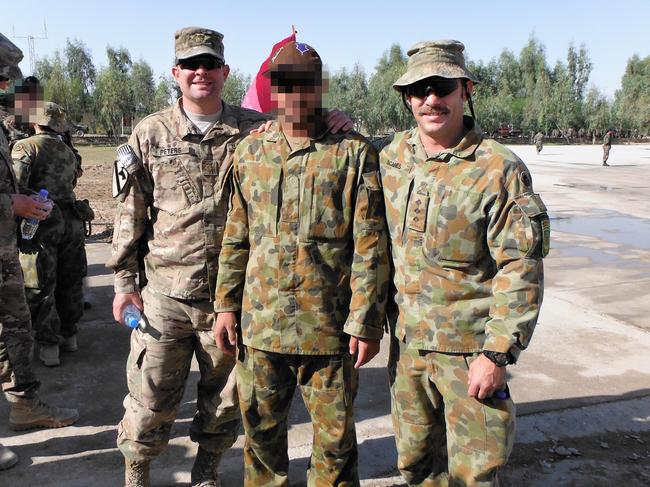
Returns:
point(18, 380)
point(468, 236)
point(176, 197)
point(53, 261)
point(304, 265)
point(607, 145)
point(539, 142)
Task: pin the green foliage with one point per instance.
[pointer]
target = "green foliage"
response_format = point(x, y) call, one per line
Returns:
point(632, 101)
point(348, 92)
point(235, 87)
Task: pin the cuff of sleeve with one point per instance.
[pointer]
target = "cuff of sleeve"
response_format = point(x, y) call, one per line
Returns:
point(226, 307)
point(125, 285)
point(501, 344)
point(363, 331)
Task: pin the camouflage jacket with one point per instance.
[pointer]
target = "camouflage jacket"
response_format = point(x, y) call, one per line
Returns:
point(304, 252)
point(539, 138)
point(607, 139)
point(8, 186)
point(468, 236)
point(44, 161)
point(187, 195)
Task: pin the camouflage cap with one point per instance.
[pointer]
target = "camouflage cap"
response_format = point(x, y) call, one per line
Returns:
point(294, 56)
point(10, 56)
point(194, 41)
point(53, 116)
point(434, 58)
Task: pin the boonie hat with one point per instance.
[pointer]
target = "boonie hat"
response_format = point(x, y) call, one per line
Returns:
point(434, 58)
point(53, 116)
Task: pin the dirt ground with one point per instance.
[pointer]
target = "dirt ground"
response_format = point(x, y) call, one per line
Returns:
point(599, 460)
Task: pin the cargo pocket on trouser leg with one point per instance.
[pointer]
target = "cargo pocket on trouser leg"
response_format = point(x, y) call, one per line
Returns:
point(480, 433)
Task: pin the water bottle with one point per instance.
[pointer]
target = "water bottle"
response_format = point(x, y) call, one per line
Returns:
point(29, 225)
point(132, 316)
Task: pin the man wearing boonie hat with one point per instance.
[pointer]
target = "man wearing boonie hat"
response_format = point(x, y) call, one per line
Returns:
point(468, 237)
point(19, 383)
point(305, 266)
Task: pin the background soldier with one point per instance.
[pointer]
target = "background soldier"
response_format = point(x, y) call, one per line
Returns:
point(607, 145)
point(304, 262)
point(539, 142)
point(468, 236)
point(16, 343)
point(53, 261)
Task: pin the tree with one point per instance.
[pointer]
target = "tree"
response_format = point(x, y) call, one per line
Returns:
point(113, 98)
point(632, 101)
point(142, 88)
point(165, 93)
point(348, 92)
point(386, 111)
point(235, 87)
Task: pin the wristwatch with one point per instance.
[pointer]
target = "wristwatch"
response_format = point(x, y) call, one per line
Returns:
point(499, 359)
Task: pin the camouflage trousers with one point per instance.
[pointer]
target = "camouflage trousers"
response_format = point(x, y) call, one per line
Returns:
point(445, 437)
point(16, 341)
point(539, 147)
point(606, 149)
point(266, 383)
point(157, 369)
point(54, 263)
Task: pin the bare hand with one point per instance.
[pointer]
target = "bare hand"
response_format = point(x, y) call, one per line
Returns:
point(338, 121)
point(30, 206)
point(365, 348)
point(225, 332)
point(485, 378)
point(262, 128)
point(122, 300)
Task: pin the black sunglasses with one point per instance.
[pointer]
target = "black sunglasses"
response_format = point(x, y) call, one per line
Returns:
point(194, 63)
point(440, 87)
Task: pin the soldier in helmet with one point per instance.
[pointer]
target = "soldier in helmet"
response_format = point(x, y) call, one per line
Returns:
point(19, 382)
point(304, 264)
point(468, 235)
point(53, 261)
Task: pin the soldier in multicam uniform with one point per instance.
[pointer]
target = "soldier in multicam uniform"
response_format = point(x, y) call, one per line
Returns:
point(304, 264)
point(468, 236)
point(176, 198)
point(539, 142)
point(16, 342)
point(53, 261)
point(607, 145)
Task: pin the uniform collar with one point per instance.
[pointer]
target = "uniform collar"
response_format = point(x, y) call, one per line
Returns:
point(226, 125)
point(465, 149)
point(274, 134)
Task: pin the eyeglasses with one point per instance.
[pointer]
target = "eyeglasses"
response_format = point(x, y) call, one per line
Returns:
point(440, 87)
point(194, 63)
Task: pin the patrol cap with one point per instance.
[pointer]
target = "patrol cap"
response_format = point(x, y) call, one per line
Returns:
point(294, 57)
point(194, 41)
point(10, 56)
point(434, 58)
point(51, 115)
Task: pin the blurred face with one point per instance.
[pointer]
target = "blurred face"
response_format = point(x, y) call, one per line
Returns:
point(201, 80)
point(27, 101)
point(4, 83)
point(438, 107)
point(299, 95)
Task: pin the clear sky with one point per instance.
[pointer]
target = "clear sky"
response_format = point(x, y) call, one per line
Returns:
point(343, 32)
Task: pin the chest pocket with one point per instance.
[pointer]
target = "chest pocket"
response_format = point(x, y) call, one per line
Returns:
point(332, 196)
point(174, 190)
point(456, 226)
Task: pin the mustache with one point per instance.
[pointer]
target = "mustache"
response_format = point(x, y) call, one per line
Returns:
point(430, 110)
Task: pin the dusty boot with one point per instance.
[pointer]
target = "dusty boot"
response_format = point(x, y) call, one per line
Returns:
point(7, 458)
point(33, 413)
point(605, 164)
point(136, 474)
point(205, 469)
point(49, 355)
point(70, 344)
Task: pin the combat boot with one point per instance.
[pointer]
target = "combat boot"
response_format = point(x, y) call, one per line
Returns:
point(49, 355)
point(205, 469)
point(27, 414)
point(136, 474)
point(7, 458)
point(605, 164)
point(70, 344)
